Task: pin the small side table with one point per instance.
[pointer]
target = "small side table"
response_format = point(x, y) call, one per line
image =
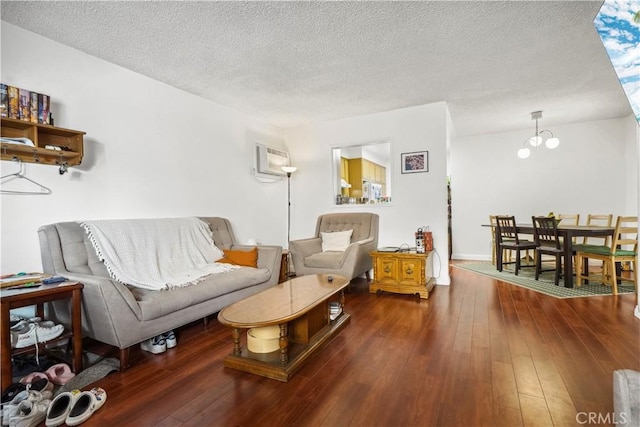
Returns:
point(283, 266)
point(10, 299)
point(402, 273)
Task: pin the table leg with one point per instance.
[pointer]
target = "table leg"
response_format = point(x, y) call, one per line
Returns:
point(76, 325)
point(284, 344)
point(235, 334)
point(568, 259)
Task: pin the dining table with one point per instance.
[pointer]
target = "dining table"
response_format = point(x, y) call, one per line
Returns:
point(568, 233)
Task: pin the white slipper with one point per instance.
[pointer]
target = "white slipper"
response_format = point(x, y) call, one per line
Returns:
point(85, 404)
point(60, 407)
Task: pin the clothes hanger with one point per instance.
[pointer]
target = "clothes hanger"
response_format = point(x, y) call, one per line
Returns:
point(43, 190)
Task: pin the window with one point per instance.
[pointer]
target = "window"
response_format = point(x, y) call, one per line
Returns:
point(362, 174)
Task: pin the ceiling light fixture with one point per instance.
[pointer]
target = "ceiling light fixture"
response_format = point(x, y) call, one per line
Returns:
point(536, 140)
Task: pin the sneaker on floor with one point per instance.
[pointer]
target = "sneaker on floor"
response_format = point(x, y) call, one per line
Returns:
point(170, 339)
point(155, 345)
point(10, 410)
point(29, 414)
point(27, 334)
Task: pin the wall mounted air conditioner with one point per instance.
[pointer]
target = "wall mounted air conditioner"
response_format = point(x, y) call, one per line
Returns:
point(270, 160)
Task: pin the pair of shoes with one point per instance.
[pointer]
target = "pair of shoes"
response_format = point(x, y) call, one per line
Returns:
point(13, 408)
point(29, 412)
point(26, 333)
point(170, 339)
point(74, 407)
point(58, 374)
point(155, 345)
point(37, 384)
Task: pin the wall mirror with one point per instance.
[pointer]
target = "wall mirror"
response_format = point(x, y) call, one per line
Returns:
point(362, 174)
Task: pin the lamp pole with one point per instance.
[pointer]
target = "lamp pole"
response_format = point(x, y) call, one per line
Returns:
point(289, 170)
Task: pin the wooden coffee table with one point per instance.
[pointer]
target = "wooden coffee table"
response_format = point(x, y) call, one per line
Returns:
point(301, 308)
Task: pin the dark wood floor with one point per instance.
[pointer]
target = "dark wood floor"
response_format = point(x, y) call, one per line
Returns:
point(477, 353)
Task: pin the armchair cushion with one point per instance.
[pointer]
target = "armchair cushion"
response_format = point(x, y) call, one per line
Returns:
point(329, 259)
point(336, 240)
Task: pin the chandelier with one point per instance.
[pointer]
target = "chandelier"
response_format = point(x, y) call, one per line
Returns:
point(536, 140)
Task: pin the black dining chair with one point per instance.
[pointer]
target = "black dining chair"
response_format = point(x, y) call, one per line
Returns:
point(509, 239)
point(545, 235)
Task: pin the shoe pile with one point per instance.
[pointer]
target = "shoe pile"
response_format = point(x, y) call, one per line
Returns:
point(28, 332)
point(27, 404)
point(160, 343)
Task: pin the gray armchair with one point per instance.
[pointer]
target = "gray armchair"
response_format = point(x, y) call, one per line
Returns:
point(309, 258)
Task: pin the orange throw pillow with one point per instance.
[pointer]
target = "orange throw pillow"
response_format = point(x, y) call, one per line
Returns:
point(244, 258)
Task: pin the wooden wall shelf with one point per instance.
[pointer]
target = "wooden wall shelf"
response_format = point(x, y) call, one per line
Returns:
point(71, 141)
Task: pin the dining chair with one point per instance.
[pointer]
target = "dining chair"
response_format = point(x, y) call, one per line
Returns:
point(569, 219)
point(509, 239)
point(623, 248)
point(507, 254)
point(601, 221)
point(545, 234)
point(596, 220)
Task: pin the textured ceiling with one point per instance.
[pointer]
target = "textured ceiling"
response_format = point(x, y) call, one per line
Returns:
point(293, 63)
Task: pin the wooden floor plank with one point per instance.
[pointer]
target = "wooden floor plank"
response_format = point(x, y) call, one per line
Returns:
point(478, 352)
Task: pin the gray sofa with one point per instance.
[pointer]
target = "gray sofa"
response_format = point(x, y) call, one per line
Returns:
point(122, 316)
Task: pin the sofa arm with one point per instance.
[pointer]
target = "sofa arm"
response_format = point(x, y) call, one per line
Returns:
point(626, 397)
point(300, 249)
point(358, 251)
point(269, 257)
point(306, 247)
point(106, 306)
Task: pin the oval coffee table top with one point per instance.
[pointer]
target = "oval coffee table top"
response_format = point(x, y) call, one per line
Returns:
point(283, 302)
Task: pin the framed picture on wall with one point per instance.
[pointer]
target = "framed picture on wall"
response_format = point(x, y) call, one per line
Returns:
point(417, 161)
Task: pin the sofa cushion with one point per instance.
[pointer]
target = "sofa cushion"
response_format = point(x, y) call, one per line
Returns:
point(237, 257)
point(155, 304)
point(331, 259)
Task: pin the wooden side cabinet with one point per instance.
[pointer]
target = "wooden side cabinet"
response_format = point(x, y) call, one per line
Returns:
point(402, 273)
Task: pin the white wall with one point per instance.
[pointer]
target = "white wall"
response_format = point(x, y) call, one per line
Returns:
point(418, 199)
point(592, 171)
point(151, 151)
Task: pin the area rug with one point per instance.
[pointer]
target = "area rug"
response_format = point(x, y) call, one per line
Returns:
point(545, 285)
point(91, 374)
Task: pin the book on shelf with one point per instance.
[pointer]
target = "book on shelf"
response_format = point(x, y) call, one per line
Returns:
point(334, 310)
point(14, 102)
point(33, 107)
point(24, 107)
point(4, 100)
point(43, 109)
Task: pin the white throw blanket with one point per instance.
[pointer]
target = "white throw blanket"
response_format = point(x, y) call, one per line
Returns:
point(159, 253)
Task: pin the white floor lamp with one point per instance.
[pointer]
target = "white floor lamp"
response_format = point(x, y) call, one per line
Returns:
point(289, 170)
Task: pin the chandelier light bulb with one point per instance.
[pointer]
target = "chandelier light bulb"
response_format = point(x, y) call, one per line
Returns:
point(523, 153)
point(535, 141)
point(552, 143)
